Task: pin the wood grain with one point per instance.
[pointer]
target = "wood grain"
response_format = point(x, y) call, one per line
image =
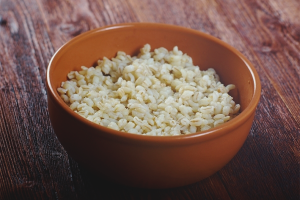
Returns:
point(34, 165)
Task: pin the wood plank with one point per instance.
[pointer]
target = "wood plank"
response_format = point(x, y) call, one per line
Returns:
point(33, 164)
point(33, 146)
point(275, 43)
point(85, 15)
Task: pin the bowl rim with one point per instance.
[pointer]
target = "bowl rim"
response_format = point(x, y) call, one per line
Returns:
point(147, 139)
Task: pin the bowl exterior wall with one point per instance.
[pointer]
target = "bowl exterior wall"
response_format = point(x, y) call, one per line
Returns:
point(146, 166)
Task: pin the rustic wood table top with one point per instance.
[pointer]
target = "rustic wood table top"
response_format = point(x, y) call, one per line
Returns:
point(34, 165)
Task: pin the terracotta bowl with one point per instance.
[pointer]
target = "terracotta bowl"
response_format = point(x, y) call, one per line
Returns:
point(152, 161)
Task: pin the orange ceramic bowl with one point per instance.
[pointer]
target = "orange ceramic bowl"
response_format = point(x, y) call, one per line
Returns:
point(152, 161)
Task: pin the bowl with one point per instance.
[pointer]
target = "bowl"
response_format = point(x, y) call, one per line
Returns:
point(152, 161)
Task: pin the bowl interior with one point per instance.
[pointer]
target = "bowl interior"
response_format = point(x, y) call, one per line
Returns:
point(206, 51)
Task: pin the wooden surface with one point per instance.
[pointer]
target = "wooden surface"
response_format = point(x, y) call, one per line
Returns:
point(33, 164)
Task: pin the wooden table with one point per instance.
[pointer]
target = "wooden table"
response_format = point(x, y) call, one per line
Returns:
point(33, 164)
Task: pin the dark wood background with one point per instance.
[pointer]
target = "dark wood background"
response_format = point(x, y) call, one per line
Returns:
point(33, 164)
